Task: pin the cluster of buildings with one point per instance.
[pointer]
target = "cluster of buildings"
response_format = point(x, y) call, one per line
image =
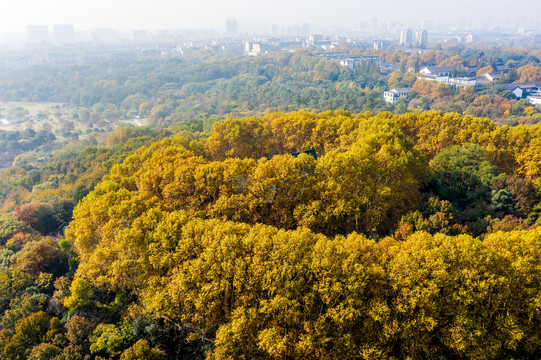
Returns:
point(522, 90)
point(82, 54)
point(60, 35)
point(420, 40)
point(72, 49)
point(530, 90)
point(292, 30)
point(252, 48)
point(461, 76)
point(62, 59)
point(352, 62)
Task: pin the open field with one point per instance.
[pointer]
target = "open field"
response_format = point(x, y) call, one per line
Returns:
point(31, 115)
point(32, 107)
point(60, 119)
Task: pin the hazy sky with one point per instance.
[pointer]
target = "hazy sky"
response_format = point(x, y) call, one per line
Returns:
point(211, 14)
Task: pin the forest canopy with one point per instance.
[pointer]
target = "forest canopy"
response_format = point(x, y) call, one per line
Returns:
point(363, 251)
point(271, 207)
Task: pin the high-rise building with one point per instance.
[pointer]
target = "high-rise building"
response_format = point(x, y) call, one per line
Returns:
point(421, 38)
point(304, 30)
point(63, 34)
point(406, 37)
point(381, 44)
point(38, 34)
point(231, 26)
point(374, 24)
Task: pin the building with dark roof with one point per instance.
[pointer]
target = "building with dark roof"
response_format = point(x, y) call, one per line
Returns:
point(523, 89)
point(392, 96)
point(437, 70)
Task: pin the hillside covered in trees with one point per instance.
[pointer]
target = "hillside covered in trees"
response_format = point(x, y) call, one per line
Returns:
point(188, 88)
point(203, 90)
point(396, 236)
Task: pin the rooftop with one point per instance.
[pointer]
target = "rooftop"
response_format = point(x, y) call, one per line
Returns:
point(522, 85)
point(401, 90)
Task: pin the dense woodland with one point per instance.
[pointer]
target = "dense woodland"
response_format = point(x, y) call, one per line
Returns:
point(184, 89)
point(374, 233)
point(407, 235)
point(197, 87)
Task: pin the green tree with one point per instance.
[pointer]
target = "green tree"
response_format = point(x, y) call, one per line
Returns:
point(463, 175)
point(80, 294)
point(142, 350)
point(502, 201)
point(107, 340)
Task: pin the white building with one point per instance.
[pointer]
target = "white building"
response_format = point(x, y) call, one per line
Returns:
point(421, 38)
point(381, 44)
point(256, 48)
point(437, 70)
point(355, 61)
point(444, 79)
point(463, 81)
point(63, 34)
point(524, 89)
point(38, 34)
point(406, 37)
point(392, 96)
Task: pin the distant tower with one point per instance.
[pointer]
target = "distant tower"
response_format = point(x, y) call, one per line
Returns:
point(63, 34)
point(406, 37)
point(38, 34)
point(231, 26)
point(374, 24)
point(363, 26)
point(304, 30)
point(421, 38)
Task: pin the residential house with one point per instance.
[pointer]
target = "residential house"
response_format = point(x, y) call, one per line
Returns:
point(355, 61)
point(493, 76)
point(437, 70)
point(522, 90)
point(502, 68)
point(392, 96)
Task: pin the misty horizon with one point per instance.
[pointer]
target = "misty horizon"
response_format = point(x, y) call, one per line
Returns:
point(258, 16)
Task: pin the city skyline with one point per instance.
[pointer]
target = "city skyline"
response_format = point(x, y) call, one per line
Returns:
point(211, 14)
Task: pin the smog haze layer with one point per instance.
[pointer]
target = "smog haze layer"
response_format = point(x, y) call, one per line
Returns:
point(210, 14)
